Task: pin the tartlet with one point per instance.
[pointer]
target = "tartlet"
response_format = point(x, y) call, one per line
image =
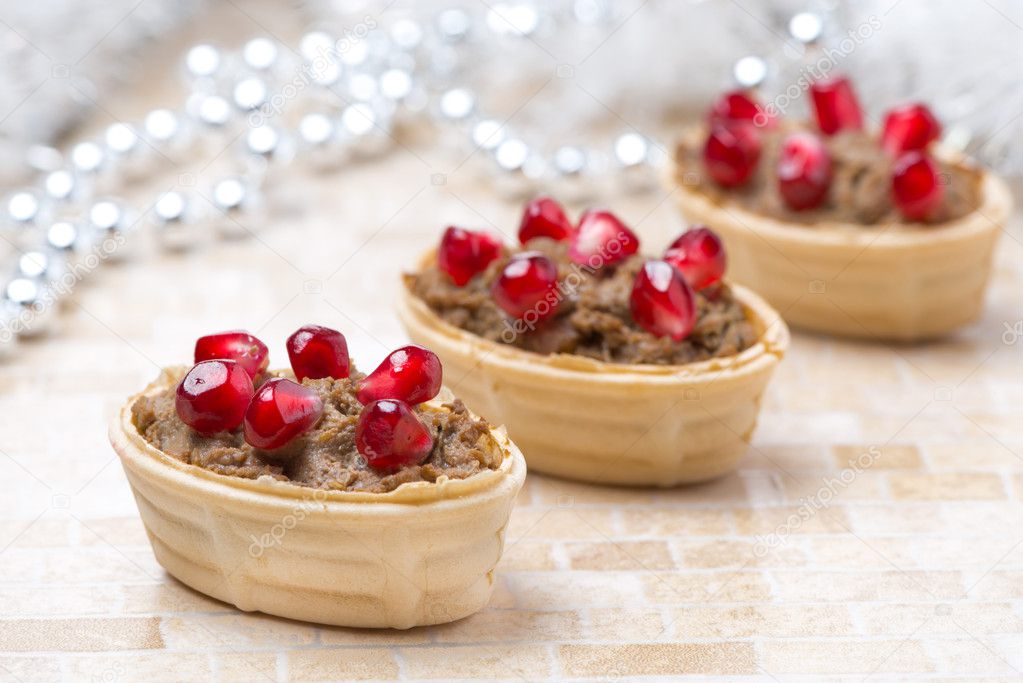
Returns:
point(900, 280)
point(609, 422)
point(422, 553)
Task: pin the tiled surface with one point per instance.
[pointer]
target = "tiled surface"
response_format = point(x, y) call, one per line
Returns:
point(875, 529)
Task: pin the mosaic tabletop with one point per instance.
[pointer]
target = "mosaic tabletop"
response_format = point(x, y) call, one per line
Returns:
point(873, 530)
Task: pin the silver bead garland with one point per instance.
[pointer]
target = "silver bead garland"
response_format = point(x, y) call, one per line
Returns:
point(344, 98)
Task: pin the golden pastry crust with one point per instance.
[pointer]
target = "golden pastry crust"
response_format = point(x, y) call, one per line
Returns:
point(576, 417)
point(899, 281)
point(423, 553)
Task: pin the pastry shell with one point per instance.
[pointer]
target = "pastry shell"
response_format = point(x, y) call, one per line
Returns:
point(902, 282)
point(421, 554)
point(610, 423)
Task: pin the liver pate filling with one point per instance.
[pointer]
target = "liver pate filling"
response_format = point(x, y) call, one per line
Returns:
point(860, 190)
point(593, 317)
point(325, 457)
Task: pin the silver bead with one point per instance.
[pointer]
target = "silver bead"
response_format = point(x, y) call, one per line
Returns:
point(319, 142)
point(238, 207)
point(62, 237)
point(634, 158)
point(260, 54)
point(457, 105)
point(32, 304)
point(367, 132)
point(453, 25)
point(750, 71)
point(173, 220)
point(23, 208)
point(591, 12)
point(164, 130)
point(44, 158)
point(518, 169)
point(267, 144)
point(211, 111)
point(363, 87)
point(395, 84)
point(250, 94)
point(9, 327)
point(569, 165)
point(121, 139)
point(406, 34)
point(202, 61)
point(317, 45)
point(488, 134)
point(108, 228)
point(806, 27)
point(60, 186)
point(39, 265)
point(87, 158)
point(513, 19)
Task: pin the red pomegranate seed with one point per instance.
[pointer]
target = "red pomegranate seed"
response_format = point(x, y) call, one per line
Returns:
point(465, 253)
point(731, 153)
point(909, 127)
point(280, 411)
point(317, 352)
point(804, 171)
point(213, 396)
point(241, 347)
point(661, 301)
point(544, 217)
point(740, 106)
point(390, 436)
point(411, 374)
point(699, 255)
point(835, 105)
point(527, 286)
point(602, 239)
point(916, 187)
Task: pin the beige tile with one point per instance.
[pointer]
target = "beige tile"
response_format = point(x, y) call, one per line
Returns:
point(710, 554)
point(873, 457)
point(914, 518)
point(558, 523)
point(847, 586)
point(41, 533)
point(619, 556)
point(332, 664)
point(529, 662)
point(563, 493)
point(171, 596)
point(511, 625)
point(810, 519)
point(972, 455)
point(763, 621)
point(527, 555)
point(35, 669)
point(844, 657)
point(246, 667)
point(118, 531)
point(999, 584)
point(946, 486)
point(648, 659)
point(625, 624)
point(156, 667)
point(80, 635)
point(863, 552)
point(975, 655)
point(51, 601)
point(558, 591)
point(375, 637)
point(663, 522)
point(672, 588)
point(947, 618)
point(836, 488)
point(240, 631)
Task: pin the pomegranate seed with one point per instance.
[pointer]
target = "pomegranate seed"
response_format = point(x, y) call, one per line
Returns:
point(699, 256)
point(835, 105)
point(411, 373)
point(389, 435)
point(804, 171)
point(465, 253)
point(527, 284)
point(909, 127)
point(740, 106)
point(731, 153)
point(317, 352)
point(241, 347)
point(544, 217)
point(661, 301)
point(280, 411)
point(916, 186)
point(213, 396)
point(602, 239)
